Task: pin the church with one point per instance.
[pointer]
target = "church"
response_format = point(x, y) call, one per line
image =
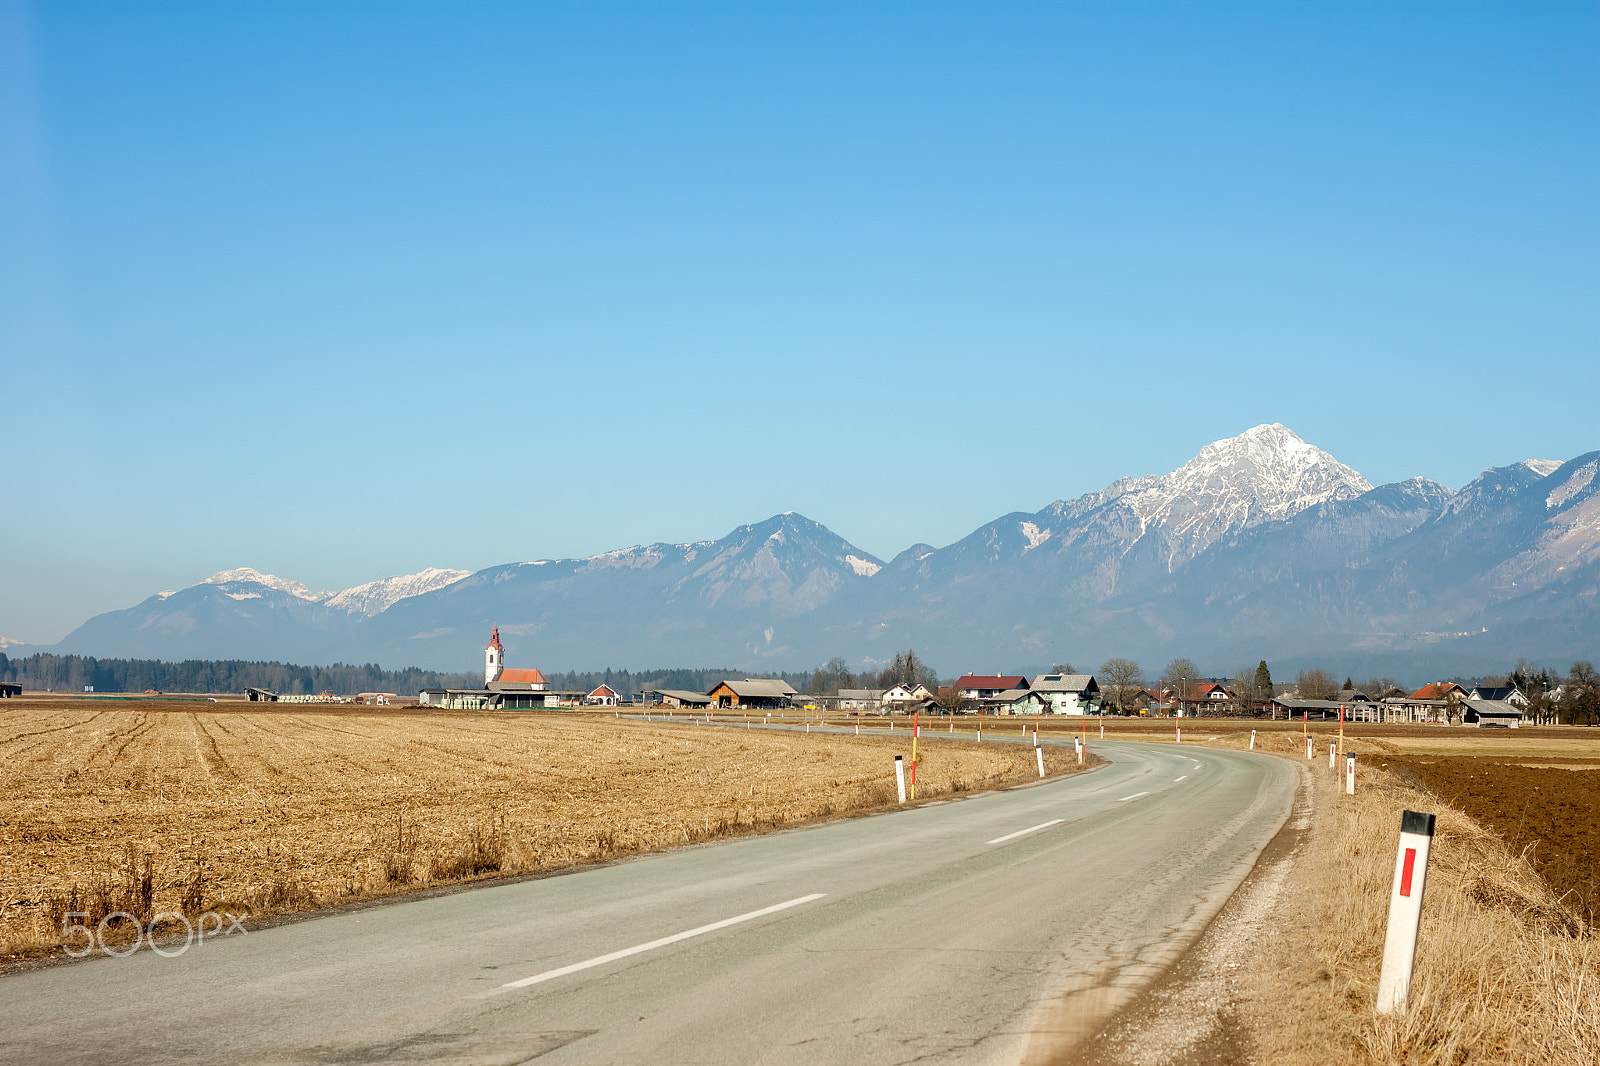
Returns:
point(503, 689)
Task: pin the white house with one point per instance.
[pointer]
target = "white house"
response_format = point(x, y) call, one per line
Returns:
point(900, 694)
point(1065, 693)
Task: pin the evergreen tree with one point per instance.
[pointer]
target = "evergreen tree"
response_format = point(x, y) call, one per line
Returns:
point(1264, 679)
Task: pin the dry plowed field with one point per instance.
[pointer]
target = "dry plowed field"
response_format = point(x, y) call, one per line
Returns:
point(1549, 809)
point(195, 807)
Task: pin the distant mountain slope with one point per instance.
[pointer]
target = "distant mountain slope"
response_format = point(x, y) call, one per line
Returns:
point(723, 600)
point(1261, 546)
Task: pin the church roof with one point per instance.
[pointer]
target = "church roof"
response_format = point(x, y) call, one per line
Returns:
point(530, 677)
point(494, 641)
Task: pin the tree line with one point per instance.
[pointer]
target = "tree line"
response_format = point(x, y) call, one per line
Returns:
point(1572, 698)
point(72, 673)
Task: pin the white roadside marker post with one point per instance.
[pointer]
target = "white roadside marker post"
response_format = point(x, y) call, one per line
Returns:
point(1040, 753)
point(1308, 747)
point(1350, 775)
point(1405, 911)
point(1078, 744)
point(1102, 730)
point(1252, 740)
point(1180, 735)
point(1333, 755)
point(900, 776)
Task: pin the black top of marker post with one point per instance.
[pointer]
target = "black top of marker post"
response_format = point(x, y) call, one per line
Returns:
point(1416, 822)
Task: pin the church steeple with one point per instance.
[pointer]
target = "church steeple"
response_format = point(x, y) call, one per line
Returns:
point(494, 658)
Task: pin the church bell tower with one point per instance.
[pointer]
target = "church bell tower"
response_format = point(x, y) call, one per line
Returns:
point(494, 659)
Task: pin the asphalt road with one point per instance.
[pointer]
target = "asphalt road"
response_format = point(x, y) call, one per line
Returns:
point(998, 928)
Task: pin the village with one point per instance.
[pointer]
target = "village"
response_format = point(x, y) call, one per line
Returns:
point(1061, 693)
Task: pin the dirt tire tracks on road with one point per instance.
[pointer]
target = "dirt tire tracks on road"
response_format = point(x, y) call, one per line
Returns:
point(1188, 1015)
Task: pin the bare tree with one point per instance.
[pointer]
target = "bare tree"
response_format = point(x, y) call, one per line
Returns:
point(1580, 695)
point(1316, 684)
point(1121, 679)
point(951, 698)
point(838, 675)
point(1247, 693)
point(1178, 676)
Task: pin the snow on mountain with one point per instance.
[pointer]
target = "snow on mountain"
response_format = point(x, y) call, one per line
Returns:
point(375, 596)
point(1262, 475)
point(236, 583)
point(1261, 545)
point(247, 583)
point(1265, 474)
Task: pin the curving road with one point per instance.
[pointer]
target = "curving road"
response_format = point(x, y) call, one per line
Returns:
point(999, 928)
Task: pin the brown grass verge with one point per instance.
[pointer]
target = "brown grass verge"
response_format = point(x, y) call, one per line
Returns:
point(1506, 972)
point(265, 812)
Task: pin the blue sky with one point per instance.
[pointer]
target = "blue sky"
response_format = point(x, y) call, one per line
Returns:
point(346, 290)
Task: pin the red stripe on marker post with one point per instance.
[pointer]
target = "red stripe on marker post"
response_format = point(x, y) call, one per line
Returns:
point(1406, 871)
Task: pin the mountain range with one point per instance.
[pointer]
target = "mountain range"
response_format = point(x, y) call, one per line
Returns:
point(1261, 546)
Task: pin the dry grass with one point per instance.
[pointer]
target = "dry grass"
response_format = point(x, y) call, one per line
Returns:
point(1506, 973)
point(148, 809)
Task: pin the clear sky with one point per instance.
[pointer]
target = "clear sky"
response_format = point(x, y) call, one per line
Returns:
point(347, 290)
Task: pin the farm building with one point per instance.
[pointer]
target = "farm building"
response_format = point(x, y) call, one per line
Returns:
point(858, 699)
point(1491, 714)
point(455, 699)
point(603, 696)
point(1315, 710)
point(752, 693)
point(674, 697)
point(260, 695)
point(9, 689)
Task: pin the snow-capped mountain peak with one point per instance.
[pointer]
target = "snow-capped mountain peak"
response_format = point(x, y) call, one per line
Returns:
point(1264, 474)
point(245, 583)
point(380, 595)
point(248, 575)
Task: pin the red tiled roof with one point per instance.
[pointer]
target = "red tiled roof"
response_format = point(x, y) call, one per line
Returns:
point(603, 690)
point(1435, 690)
point(993, 681)
point(531, 677)
point(494, 641)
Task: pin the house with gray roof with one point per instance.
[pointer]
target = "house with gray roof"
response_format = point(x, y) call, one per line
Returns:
point(1066, 693)
point(753, 693)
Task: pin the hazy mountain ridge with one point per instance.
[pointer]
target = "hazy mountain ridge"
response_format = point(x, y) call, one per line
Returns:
point(1261, 545)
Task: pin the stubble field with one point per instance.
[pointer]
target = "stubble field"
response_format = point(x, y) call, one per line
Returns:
point(151, 808)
